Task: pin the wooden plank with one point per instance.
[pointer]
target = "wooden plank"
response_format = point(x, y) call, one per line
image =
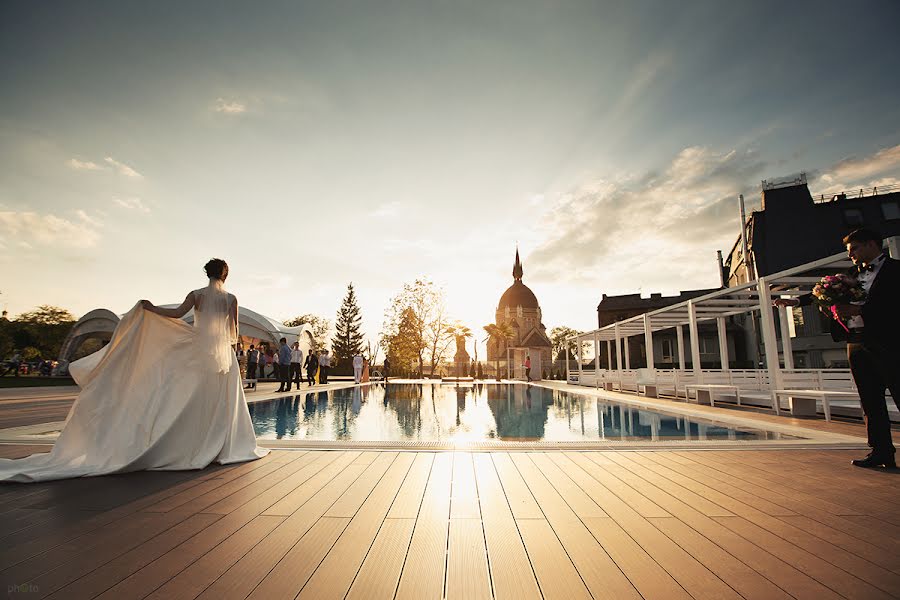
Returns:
point(192, 502)
point(350, 501)
point(190, 582)
point(581, 504)
point(299, 496)
point(772, 499)
point(464, 495)
point(335, 575)
point(610, 489)
point(781, 574)
point(521, 502)
point(49, 534)
point(103, 546)
point(744, 580)
point(511, 572)
point(409, 498)
point(157, 573)
point(855, 546)
point(467, 568)
point(99, 580)
point(650, 579)
point(300, 563)
point(556, 575)
point(825, 573)
point(810, 479)
point(812, 544)
point(693, 577)
point(816, 508)
point(321, 491)
point(380, 572)
point(600, 573)
point(424, 570)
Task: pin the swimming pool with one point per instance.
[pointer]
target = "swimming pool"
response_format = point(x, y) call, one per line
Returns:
point(412, 412)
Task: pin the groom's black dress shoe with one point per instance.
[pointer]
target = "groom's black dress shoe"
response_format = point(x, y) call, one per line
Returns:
point(872, 461)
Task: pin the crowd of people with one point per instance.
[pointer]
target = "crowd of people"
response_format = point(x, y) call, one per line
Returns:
point(290, 366)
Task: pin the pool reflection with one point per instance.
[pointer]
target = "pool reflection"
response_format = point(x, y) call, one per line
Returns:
point(479, 412)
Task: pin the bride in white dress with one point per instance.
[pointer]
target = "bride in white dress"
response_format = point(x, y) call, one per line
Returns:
point(162, 395)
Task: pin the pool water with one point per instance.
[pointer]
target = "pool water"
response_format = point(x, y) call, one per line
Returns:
point(407, 412)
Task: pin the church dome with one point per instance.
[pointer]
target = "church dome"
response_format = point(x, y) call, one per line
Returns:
point(518, 294)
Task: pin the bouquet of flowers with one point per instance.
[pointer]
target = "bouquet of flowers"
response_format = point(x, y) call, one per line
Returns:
point(837, 289)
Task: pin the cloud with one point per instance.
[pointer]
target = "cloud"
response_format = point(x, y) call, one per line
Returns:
point(878, 169)
point(229, 107)
point(38, 229)
point(132, 203)
point(122, 168)
point(80, 165)
point(659, 230)
point(388, 209)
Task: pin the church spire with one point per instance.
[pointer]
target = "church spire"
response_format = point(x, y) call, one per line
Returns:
point(517, 268)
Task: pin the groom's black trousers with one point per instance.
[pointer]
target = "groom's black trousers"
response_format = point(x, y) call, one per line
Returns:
point(874, 370)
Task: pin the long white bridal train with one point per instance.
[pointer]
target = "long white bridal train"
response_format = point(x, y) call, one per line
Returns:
point(152, 399)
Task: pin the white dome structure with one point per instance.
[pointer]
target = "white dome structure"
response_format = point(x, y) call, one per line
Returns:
point(253, 327)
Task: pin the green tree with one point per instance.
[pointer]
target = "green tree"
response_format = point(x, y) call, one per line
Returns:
point(403, 347)
point(347, 341)
point(499, 335)
point(44, 329)
point(45, 314)
point(560, 343)
point(427, 303)
point(320, 327)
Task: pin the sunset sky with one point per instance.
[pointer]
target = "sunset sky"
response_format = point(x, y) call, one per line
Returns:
point(311, 144)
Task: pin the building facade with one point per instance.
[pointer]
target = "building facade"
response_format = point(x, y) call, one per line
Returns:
point(792, 228)
point(665, 343)
point(519, 309)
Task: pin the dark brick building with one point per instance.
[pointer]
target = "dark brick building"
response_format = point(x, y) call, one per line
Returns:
point(793, 228)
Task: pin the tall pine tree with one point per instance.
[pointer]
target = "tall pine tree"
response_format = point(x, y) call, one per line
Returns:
point(347, 341)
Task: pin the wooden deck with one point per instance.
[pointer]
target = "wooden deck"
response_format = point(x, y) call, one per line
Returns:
point(418, 525)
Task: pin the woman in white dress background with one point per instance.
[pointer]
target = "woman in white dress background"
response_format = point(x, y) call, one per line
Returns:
point(162, 395)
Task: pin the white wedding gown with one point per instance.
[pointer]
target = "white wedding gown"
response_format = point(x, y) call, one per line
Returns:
point(162, 395)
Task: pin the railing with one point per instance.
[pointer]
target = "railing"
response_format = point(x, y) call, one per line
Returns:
point(748, 380)
point(843, 195)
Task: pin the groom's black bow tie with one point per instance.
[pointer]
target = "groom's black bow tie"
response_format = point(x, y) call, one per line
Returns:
point(868, 267)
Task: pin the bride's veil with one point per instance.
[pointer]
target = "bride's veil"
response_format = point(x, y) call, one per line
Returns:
point(215, 328)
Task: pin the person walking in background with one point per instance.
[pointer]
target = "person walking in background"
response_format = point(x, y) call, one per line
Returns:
point(365, 371)
point(357, 368)
point(312, 366)
point(527, 368)
point(324, 366)
point(387, 369)
point(296, 366)
point(252, 362)
point(284, 366)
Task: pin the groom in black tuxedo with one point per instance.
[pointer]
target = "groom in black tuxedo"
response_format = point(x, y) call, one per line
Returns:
point(873, 339)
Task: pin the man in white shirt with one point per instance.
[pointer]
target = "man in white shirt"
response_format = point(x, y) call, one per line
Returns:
point(357, 368)
point(296, 365)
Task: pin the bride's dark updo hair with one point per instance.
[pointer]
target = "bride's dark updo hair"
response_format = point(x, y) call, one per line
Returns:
point(216, 268)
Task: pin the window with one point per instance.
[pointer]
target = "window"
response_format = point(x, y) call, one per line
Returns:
point(709, 345)
point(853, 217)
point(890, 210)
point(668, 353)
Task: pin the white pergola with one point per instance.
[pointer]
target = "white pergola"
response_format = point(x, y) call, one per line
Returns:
point(753, 297)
